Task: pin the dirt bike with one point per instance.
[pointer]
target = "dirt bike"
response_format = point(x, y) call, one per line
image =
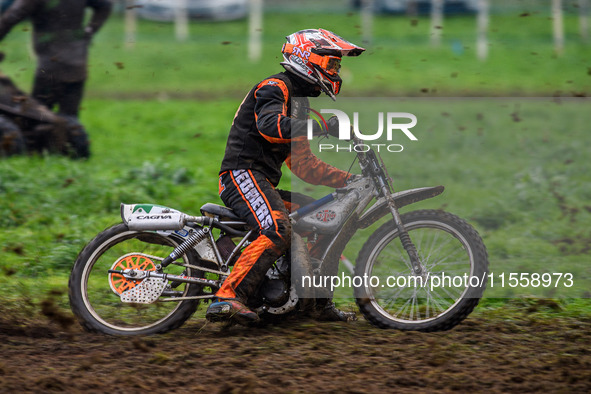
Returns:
point(150, 273)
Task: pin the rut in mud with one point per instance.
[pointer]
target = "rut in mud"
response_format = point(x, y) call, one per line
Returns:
point(496, 350)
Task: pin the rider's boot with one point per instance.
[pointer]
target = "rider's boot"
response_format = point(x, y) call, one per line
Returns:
point(225, 309)
point(327, 311)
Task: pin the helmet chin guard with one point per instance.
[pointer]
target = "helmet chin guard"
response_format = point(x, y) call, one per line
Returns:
point(315, 55)
point(330, 91)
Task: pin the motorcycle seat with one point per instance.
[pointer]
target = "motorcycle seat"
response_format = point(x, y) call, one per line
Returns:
point(222, 212)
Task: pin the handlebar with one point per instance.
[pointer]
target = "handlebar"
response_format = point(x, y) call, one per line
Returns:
point(371, 166)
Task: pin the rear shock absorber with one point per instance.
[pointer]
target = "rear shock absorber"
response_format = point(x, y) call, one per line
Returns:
point(192, 240)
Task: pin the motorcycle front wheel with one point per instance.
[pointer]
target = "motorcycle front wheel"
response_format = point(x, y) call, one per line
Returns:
point(95, 294)
point(454, 263)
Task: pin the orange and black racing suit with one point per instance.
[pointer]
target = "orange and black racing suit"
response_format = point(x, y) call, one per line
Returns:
point(267, 132)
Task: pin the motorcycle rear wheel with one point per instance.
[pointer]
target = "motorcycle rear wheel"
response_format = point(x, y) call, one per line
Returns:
point(95, 294)
point(448, 247)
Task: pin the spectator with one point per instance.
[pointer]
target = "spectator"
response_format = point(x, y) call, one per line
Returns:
point(61, 43)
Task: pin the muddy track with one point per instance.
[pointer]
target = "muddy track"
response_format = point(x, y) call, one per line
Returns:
point(489, 352)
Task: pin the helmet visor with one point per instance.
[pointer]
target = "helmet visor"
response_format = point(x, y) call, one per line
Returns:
point(333, 65)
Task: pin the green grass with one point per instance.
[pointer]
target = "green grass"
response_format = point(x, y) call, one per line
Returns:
point(399, 61)
point(521, 179)
point(516, 169)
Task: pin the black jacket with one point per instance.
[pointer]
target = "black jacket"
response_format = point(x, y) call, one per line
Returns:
point(269, 129)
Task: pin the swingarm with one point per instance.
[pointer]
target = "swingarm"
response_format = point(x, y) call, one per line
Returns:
point(134, 274)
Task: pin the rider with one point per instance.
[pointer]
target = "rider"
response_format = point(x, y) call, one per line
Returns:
point(268, 130)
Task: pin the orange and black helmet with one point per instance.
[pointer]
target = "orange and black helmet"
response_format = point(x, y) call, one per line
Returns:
point(315, 55)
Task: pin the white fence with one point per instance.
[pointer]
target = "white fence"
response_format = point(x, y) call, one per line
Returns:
point(367, 8)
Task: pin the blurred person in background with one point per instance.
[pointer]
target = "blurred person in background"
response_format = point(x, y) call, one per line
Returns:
point(269, 129)
point(27, 126)
point(60, 41)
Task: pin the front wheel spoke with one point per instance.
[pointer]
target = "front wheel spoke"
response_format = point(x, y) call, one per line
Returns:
point(390, 301)
point(450, 263)
point(431, 246)
point(443, 259)
point(437, 301)
point(400, 252)
point(403, 307)
point(402, 256)
point(386, 296)
point(439, 248)
point(415, 303)
point(448, 248)
point(449, 292)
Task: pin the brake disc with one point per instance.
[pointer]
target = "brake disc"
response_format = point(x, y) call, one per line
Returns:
point(141, 291)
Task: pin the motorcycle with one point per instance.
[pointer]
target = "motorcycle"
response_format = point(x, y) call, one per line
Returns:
point(150, 273)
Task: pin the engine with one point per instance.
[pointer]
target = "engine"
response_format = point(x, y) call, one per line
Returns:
point(276, 287)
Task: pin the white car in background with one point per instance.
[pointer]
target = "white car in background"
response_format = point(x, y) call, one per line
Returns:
point(216, 10)
point(421, 7)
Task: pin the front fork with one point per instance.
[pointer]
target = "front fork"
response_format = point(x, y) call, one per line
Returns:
point(417, 267)
point(369, 162)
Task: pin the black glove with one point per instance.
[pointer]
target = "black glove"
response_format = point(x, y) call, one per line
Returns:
point(333, 126)
point(353, 178)
point(318, 130)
